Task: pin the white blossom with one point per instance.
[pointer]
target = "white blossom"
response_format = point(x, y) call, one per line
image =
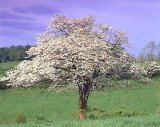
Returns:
point(70, 48)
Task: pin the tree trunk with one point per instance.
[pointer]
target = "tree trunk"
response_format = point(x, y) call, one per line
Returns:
point(83, 99)
point(84, 87)
point(83, 108)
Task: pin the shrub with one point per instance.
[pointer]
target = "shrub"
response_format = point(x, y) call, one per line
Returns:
point(20, 118)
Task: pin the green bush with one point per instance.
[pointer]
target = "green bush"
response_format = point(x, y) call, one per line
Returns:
point(21, 118)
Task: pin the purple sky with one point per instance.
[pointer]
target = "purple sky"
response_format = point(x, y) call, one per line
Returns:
point(21, 20)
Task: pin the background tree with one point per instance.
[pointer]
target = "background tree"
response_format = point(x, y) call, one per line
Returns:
point(76, 51)
point(158, 51)
point(151, 52)
point(13, 53)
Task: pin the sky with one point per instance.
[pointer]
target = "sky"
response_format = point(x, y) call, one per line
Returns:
point(22, 20)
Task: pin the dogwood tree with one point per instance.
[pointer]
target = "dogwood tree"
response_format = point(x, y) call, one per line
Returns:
point(75, 51)
point(152, 68)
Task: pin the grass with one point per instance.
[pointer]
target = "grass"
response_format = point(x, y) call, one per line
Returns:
point(6, 66)
point(138, 106)
point(147, 121)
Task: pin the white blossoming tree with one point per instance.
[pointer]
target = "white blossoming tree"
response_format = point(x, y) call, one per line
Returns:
point(152, 68)
point(75, 51)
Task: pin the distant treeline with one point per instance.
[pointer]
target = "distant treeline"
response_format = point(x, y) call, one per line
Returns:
point(13, 53)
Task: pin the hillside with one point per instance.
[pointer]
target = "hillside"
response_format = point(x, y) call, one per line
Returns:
point(137, 104)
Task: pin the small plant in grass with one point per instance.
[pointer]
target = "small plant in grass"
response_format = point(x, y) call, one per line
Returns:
point(40, 117)
point(21, 118)
point(92, 116)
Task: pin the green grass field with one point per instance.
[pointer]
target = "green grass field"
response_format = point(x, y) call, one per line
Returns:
point(138, 106)
point(6, 66)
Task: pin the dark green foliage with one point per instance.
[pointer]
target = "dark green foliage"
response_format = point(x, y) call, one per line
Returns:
point(3, 85)
point(13, 53)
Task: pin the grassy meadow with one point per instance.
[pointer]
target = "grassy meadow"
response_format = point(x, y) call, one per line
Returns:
point(6, 66)
point(138, 106)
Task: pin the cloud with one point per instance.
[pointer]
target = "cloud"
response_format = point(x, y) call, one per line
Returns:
point(21, 25)
point(36, 9)
point(16, 37)
point(9, 15)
